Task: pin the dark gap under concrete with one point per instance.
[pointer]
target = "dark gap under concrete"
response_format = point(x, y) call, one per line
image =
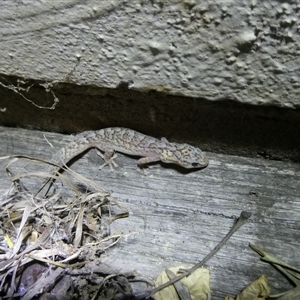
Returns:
point(222, 126)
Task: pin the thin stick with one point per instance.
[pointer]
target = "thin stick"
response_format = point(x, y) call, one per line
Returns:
point(240, 221)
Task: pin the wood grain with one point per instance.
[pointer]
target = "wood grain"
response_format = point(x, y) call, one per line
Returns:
point(180, 216)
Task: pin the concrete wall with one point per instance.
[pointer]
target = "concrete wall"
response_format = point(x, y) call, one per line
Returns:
point(247, 51)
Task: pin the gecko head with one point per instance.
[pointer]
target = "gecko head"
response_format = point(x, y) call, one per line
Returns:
point(184, 155)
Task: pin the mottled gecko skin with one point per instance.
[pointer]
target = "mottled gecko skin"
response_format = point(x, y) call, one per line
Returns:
point(130, 142)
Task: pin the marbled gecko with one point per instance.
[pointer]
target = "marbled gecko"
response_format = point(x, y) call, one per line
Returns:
point(128, 141)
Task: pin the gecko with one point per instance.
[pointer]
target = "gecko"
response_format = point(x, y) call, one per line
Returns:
point(131, 142)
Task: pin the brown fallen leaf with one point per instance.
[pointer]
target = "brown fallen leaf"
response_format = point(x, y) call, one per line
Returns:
point(257, 290)
point(197, 284)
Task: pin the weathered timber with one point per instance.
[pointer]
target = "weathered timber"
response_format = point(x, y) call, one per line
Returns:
point(180, 216)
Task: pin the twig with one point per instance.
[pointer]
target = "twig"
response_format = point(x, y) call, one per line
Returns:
point(240, 221)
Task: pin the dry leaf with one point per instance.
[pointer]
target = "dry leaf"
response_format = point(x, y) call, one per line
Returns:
point(257, 290)
point(197, 284)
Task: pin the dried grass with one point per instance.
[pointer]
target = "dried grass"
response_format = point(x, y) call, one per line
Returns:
point(57, 227)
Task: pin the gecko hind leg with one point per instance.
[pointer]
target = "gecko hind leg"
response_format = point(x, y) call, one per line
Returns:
point(109, 159)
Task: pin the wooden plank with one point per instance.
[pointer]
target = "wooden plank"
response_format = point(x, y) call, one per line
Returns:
point(180, 216)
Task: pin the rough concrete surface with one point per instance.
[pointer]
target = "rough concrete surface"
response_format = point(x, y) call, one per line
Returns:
point(247, 51)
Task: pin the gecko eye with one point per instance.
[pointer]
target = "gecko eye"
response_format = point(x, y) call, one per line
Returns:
point(195, 164)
